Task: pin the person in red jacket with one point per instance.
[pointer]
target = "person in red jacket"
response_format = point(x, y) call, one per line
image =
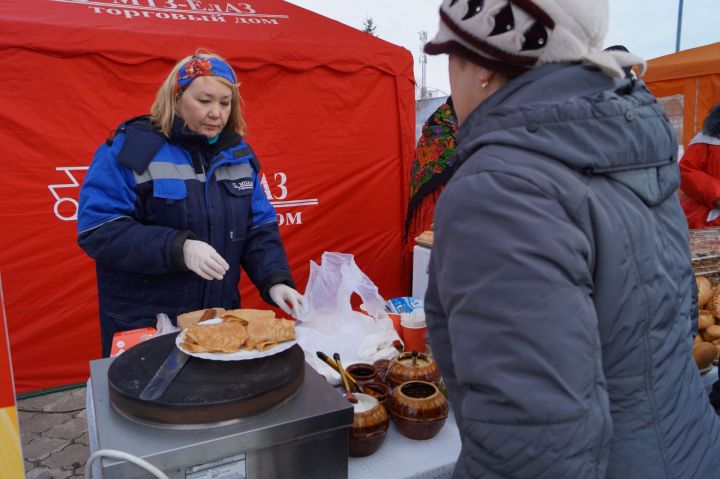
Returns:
point(700, 175)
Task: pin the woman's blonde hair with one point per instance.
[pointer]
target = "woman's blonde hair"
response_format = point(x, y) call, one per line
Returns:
point(164, 108)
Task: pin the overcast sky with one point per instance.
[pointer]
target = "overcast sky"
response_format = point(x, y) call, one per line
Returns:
point(647, 28)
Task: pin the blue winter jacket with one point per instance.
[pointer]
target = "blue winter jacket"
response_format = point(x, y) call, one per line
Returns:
point(144, 195)
point(559, 302)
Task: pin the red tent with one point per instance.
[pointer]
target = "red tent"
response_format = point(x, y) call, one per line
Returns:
point(330, 111)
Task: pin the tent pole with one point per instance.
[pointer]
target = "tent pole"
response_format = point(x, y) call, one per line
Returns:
point(679, 27)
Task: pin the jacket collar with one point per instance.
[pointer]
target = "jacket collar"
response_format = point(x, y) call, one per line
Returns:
point(706, 139)
point(576, 115)
point(198, 144)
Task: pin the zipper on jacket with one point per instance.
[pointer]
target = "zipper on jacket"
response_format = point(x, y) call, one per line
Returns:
point(208, 208)
point(208, 213)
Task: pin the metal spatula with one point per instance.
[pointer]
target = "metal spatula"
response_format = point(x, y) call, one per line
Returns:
point(165, 375)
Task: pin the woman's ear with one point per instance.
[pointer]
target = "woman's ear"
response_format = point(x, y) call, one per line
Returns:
point(484, 75)
point(470, 85)
point(481, 75)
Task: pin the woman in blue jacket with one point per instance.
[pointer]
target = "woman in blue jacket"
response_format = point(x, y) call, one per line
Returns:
point(172, 207)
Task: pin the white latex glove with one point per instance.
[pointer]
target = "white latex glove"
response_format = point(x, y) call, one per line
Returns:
point(283, 295)
point(202, 259)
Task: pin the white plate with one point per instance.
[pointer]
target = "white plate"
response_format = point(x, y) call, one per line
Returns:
point(236, 356)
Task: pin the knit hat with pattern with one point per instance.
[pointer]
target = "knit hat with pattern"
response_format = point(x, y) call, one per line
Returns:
point(513, 36)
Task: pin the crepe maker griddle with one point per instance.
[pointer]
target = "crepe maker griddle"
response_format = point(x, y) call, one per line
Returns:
point(204, 391)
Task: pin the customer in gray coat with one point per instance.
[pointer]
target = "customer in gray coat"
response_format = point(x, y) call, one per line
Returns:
point(559, 300)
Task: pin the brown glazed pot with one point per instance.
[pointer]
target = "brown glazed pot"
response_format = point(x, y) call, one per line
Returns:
point(403, 369)
point(379, 391)
point(419, 409)
point(369, 426)
point(362, 372)
point(381, 366)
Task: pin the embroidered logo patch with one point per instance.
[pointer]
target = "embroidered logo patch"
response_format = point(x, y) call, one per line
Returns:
point(242, 185)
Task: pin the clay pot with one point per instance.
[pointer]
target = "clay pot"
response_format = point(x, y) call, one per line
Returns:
point(369, 426)
point(379, 391)
point(362, 372)
point(419, 409)
point(405, 368)
point(381, 366)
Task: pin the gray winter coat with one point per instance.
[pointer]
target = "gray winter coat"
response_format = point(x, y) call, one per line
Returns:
point(560, 301)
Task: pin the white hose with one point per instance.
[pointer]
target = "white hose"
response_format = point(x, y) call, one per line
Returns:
point(115, 454)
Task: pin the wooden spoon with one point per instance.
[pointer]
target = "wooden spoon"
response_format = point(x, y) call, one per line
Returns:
point(348, 393)
point(331, 362)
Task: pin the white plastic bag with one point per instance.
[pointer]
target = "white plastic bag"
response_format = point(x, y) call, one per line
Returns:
point(328, 323)
point(164, 325)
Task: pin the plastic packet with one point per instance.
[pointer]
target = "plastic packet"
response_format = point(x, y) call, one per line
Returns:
point(164, 325)
point(328, 323)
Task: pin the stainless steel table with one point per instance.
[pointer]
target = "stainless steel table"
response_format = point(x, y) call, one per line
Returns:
point(398, 457)
point(306, 437)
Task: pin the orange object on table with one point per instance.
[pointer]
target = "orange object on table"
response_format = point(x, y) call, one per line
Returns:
point(395, 317)
point(414, 338)
point(124, 340)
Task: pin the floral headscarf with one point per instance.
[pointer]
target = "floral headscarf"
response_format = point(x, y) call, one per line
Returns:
point(429, 170)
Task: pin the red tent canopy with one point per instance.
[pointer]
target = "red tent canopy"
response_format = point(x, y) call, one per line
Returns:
point(330, 111)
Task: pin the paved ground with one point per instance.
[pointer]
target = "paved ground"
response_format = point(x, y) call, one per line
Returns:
point(53, 428)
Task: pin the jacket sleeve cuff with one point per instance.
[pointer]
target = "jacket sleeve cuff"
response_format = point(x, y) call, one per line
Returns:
point(273, 279)
point(176, 250)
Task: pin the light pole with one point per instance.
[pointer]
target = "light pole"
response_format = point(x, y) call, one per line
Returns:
point(679, 27)
point(423, 63)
